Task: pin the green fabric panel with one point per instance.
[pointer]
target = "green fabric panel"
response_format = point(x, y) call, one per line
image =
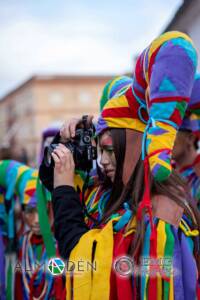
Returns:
point(169, 250)
point(44, 221)
point(9, 282)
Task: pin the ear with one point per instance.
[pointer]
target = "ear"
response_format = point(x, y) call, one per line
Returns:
point(191, 138)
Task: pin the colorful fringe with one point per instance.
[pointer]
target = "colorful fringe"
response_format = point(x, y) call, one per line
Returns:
point(193, 180)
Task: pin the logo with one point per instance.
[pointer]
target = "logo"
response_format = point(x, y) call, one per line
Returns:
point(56, 266)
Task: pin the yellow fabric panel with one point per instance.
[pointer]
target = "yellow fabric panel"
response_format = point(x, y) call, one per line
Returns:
point(35, 173)
point(161, 40)
point(31, 184)
point(161, 240)
point(165, 140)
point(1, 198)
point(171, 287)
point(121, 102)
point(78, 181)
point(26, 199)
point(128, 123)
point(22, 169)
point(194, 117)
point(154, 160)
point(96, 288)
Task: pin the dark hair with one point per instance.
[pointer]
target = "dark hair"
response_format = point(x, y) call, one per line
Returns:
point(189, 132)
point(119, 145)
point(174, 187)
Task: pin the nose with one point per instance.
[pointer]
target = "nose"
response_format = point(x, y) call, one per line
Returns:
point(104, 159)
point(36, 218)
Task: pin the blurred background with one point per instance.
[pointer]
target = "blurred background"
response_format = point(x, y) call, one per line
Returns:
point(56, 56)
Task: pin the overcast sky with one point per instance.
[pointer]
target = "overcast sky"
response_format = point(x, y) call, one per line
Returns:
point(76, 37)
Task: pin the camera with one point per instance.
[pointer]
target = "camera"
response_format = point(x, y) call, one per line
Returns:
point(81, 147)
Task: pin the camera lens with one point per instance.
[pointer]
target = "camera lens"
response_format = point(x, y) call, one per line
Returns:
point(86, 139)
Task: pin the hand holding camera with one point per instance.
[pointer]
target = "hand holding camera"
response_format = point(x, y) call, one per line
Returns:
point(64, 166)
point(76, 136)
point(68, 130)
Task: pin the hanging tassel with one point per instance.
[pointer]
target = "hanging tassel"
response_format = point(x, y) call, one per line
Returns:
point(146, 203)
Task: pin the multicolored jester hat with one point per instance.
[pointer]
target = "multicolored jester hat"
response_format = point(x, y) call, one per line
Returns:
point(20, 181)
point(156, 102)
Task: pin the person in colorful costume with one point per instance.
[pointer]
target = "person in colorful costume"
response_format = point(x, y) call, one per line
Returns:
point(140, 211)
point(11, 187)
point(19, 182)
point(32, 280)
point(187, 158)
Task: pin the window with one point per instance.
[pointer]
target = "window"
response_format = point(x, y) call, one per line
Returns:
point(56, 99)
point(85, 97)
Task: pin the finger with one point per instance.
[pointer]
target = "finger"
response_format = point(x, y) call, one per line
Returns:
point(72, 128)
point(56, 158)
point(70, 161)
point(63, 148)
point(64, 131)
point(60, 154)
point(89, 119)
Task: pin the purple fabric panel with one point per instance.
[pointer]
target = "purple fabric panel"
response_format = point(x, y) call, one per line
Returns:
point(2, 268)
point(177, 265)
point(195, 96)
point(159, 131)
point(164, 155)
point(155, 169)
point(172, 63)
point(50, 132)
point(193, 125)
point(189, 270)
point(101, 125)
point(119, 86)
point(33, 201)
point(186, 124)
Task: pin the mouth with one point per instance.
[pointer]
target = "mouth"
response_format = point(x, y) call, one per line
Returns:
point(109, 172)
point(36, 228)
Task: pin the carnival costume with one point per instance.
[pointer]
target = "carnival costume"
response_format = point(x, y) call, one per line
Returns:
point(151, 111)
point(19, 182)
point(191, 123)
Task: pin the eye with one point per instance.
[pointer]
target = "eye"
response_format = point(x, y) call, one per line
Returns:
point(109, 149)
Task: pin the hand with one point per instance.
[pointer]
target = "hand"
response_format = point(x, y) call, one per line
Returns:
point(64, 166)
point(68, 129)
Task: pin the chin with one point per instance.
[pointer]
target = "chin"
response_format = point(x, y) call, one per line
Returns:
point(36, 232)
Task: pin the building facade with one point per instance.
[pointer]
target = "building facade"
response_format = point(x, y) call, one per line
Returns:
point(187, 19)
point(42, 101)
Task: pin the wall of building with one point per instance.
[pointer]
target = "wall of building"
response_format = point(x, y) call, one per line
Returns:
point(189, 22)
point(43, 102)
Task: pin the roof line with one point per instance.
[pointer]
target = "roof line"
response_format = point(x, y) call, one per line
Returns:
point(38, 78)
point(178, 13)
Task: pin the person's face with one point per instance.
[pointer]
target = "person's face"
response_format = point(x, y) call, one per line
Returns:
point(32, 220)
point(183, 143)
point(107, 159)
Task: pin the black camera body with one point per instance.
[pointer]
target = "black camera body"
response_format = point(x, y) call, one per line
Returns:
point(81, 147)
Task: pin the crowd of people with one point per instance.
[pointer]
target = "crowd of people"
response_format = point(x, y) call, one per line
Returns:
point(131, 212)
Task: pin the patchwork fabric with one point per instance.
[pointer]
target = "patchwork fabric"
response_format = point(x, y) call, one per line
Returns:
point(191, 120)
point(157, 101)
point(18, 180)
point(114, 87)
